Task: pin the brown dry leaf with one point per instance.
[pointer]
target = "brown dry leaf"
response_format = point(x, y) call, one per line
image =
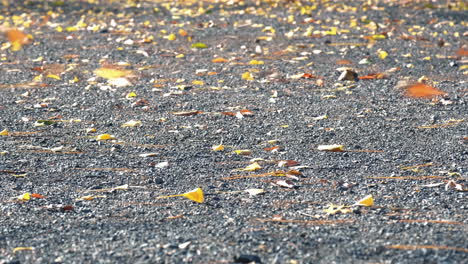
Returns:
point(422, 90)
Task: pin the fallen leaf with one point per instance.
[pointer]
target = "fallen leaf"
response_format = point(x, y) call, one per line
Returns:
point(104, 137)
point(24, 197)
point(187, 113)
point(332, 148)
point(252, 167)
point(16, 249)
point(194, 195)
point(131, 123)
point(382, 54)
point(337, 209)
point(219, 60)
point(243, 152)
point(373, 76)
point(146, 155)
point(366, 201)
point(256, 62)
point(254, 192)
point(36, 195)
point(247, 76)
point(422, 90)
point(217, 147)
point(284, 183)
point(246, 112)
point(41, 123)
point(4, 132)
point(199, 45)
point(17, 39)
point(89, 197)
point(112, 72)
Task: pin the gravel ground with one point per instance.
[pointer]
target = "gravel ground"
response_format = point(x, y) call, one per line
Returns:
point(409, 153)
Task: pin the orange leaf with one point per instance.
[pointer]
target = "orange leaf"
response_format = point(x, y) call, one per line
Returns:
point(15, 35)
point(36, 195)
point(17, 39)
point(344, 62)
point(246, 112)
point(228, 113)
point(219, 60)
point(421, 90)
point(462, 52)
point(372, 76)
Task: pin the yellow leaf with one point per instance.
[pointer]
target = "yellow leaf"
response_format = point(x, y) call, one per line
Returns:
point(71, 29)
point(53, 76)
point(182, 32)
point(171, 37)
point(4, 132)
point(131, 123)
point(105, 137)
point(194, 195)
point(336, 209)
point(180, 56)
point(247, 76)
point(252, 167)
point(382, 54)
point(256, 62)
point(333, 148)
point(198, 82)
point(16, 249)
point(130, 95)
point(217, 147)
point(24, 197)
point(112, 73)
point(366, 201)
point(91, 130)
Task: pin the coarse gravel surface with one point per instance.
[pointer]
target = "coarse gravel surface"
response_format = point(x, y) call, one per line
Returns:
point(409, 153)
